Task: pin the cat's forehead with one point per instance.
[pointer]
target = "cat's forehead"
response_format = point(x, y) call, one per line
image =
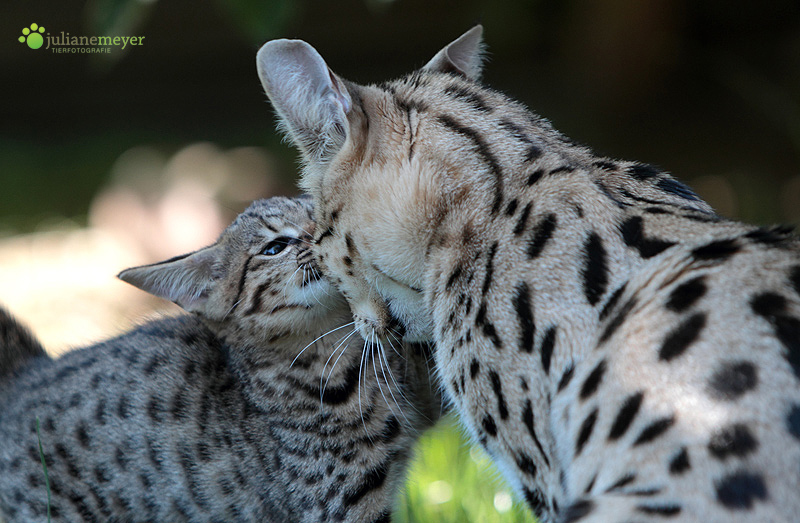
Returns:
point(277, 215)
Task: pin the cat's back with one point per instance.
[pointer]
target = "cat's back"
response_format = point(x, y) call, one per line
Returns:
point(127, 426)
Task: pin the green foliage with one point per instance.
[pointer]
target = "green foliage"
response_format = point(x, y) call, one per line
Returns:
point(453, 481)
point(259, 20)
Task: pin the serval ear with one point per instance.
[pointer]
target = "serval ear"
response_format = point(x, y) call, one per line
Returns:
point(311, 101)
point(463, 56)
point(185, 280)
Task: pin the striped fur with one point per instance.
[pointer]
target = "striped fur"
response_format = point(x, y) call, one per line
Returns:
point(242, 411)
point(621, 351)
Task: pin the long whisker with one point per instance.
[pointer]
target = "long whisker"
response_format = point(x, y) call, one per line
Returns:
point(231, 308)
point(330, 357)
point(360, 373)
point(298, 226)
point(384, 367)
point(399, 342)
point(308, 280)
point(319, 338)
point(330, 374)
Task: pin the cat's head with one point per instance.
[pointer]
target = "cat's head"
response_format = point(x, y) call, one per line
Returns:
point(258, 282)
point(383, 168)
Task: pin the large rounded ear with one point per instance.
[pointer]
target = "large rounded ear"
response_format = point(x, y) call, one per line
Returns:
point(463, 56)
point(311, 101)
point(186, 280)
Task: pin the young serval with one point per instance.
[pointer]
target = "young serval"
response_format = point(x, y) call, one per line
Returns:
point(241, 412)
point(623, 353)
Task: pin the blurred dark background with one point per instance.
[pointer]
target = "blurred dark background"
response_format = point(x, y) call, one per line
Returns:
point(708, 89)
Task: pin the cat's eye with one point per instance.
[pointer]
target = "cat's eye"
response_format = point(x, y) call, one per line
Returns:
point(276, 246)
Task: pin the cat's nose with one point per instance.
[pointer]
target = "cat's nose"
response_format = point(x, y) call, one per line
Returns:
point(372, 323)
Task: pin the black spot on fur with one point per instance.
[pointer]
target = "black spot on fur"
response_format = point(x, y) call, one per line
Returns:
point(590, 485)
point(659, 510)
point(680, 463)
point(541, 234)
point(612, 301)
point(522, 306)
point(562, 169)
point(679, 339)
point(734, 440)
point(526, 464)
point(535, 500)
point(474, 368)
point(527, 419)
point(773, 307)
point(595, 269)
point(593, 380)
point(534, 177)
point(497, 387)
point(769, 305)
point(794, 278)
point(733, 379)
point(740, 490)
point(585, 431)
point(489, 426)
point(487, 327)
point(793, 421)
point(627, 413)
point(672, 186)
point(548, 345)
point(511, 208)
point(577, 511)
point(566, 378)
point(522, 222)
point(534, 153)
point(716, 250)
point(654, 430)
point(771, 236)
point(686, 294)
point(622, 482)
point(83, 435)
point(632, 231)
point(487, 282)
point(643, 171)
point(617, 320)
point(606, 165)
point(454, 276)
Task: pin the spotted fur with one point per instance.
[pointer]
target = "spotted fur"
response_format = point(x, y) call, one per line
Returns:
point(240, 412)
point(621, 351)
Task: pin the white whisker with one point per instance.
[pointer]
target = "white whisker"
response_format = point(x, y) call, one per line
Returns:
point(384, 367)
point(299, 227)
point(377, 380)
point(330, 374)
point(360, 373)
point(319, 338)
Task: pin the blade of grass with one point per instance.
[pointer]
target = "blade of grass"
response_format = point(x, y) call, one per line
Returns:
point(44, 467)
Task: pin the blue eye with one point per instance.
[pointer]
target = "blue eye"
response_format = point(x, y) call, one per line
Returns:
point(276, 246)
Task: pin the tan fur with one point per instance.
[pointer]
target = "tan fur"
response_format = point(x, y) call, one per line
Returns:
point(484, 229)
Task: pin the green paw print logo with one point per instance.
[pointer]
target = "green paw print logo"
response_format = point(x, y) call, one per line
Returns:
point(32, 36)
